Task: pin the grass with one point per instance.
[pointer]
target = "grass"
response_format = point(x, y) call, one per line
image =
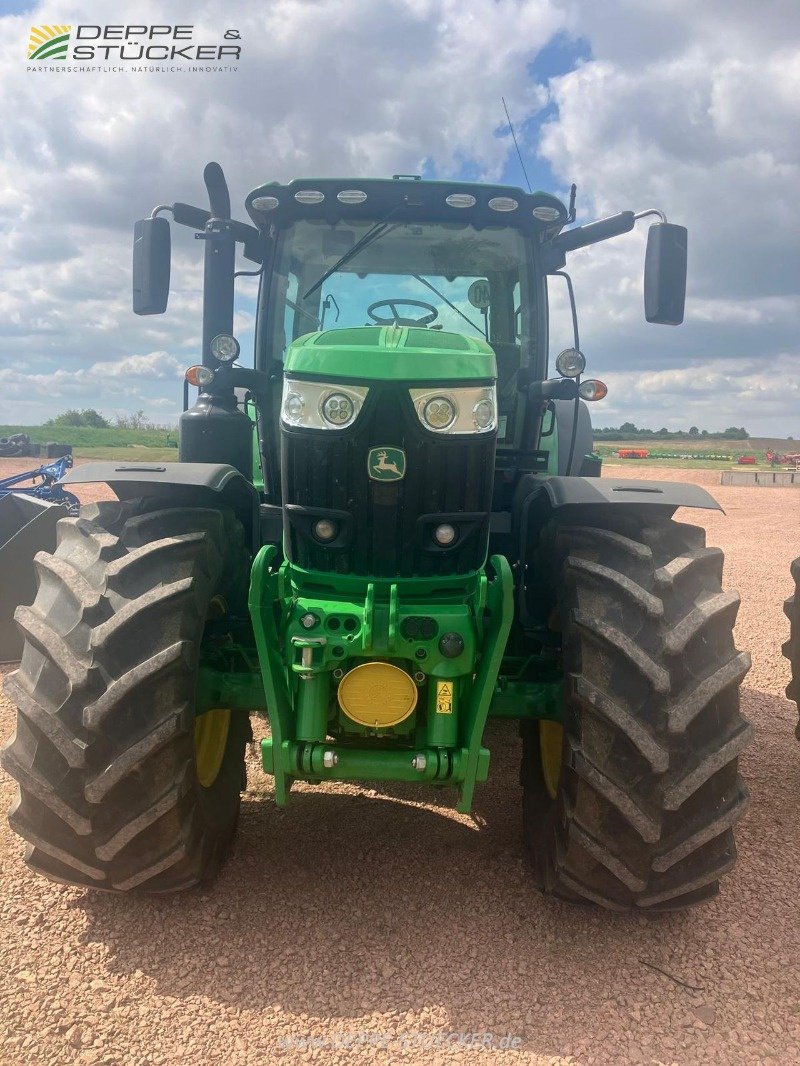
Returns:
point(83, 437)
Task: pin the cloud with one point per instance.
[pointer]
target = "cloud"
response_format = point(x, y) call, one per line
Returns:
point(336, 86)
point(685, 106)
point(690, 108)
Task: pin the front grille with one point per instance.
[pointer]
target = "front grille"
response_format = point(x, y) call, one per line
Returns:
point(386, 526)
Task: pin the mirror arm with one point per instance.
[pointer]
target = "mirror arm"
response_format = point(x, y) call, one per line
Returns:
point(650, 211)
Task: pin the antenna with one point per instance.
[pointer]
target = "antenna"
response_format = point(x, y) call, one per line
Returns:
point(516, 145)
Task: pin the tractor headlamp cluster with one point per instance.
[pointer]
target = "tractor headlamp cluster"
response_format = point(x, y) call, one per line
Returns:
point(318, 405)
point(464, 409)
point(321, 405)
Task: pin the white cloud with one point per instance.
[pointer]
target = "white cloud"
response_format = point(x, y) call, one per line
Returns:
point(693, 108)
point(336, 86)
point(688, 106)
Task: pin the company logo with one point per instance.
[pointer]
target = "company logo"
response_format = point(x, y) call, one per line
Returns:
point(48, 42)
point(386, 464)
point(129, 44)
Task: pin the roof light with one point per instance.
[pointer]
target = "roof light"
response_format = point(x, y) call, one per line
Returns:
point(351, 196)
point(460, 199)
point(309, 196)
point(546, 214)
point(199, 375)
point(503, 203)
point(592, 389)
point(265, 203)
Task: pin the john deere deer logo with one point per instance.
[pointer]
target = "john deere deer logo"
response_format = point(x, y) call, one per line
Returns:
point(386, 464)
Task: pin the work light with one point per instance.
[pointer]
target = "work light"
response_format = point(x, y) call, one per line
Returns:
point(571, 363)
point(225, 348)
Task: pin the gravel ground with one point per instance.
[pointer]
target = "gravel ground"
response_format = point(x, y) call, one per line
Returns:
point(364, 926)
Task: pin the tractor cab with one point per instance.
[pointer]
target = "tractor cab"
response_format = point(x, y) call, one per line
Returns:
point(455, 260)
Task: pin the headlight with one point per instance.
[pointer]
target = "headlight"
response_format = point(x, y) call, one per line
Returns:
point(338, 409)
point(225, 348)
point(439, 412)
point(468, 409)
point(571, 363)
point(318, 405)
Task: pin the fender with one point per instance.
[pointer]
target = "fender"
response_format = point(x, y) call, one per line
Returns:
point(538, 496)
point(590, 492)
point(184, 484)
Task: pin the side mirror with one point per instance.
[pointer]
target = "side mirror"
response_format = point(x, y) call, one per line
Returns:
point(151, 263)
point(665, 274)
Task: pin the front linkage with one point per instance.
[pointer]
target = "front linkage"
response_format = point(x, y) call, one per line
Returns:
point(447, 636)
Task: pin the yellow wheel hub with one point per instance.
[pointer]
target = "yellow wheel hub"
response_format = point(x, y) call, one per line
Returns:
point(210, 738)
point(551, 743)
point(377, 695)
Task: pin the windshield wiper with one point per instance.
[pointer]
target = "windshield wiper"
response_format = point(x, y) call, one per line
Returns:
point(374, 233)
point(302, 311)
point(442, 296)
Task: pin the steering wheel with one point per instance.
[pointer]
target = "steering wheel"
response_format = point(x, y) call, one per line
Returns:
point(397, 319)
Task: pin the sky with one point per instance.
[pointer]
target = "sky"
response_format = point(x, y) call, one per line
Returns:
point(693, 108)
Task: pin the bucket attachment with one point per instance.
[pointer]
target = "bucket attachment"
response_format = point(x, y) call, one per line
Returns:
point(27, 526)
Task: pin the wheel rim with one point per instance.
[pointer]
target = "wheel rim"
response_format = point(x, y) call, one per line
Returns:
point(210, 739)
point(551, 742)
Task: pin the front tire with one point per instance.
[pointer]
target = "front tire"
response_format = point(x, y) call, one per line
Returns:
point(791, 648)
point(647, 788)
point(122, 786)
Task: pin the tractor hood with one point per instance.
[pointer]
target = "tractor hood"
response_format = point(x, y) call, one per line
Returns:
point(391, 353)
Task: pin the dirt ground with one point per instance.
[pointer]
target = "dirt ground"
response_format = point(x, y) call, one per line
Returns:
point(358, 926)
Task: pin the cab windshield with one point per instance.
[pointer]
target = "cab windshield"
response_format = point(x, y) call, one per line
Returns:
point(444, 276)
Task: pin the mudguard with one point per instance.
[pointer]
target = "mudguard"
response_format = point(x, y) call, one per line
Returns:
point(182, 483)
point(540, 496)
point(586, 492)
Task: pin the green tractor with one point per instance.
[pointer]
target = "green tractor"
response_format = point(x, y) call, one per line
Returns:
point(386, 530)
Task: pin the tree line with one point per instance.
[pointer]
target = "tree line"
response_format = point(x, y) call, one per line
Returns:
point(94, 420)
point(628, 431)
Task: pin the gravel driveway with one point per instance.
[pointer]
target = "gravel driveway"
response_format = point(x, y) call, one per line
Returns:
point(363, 926)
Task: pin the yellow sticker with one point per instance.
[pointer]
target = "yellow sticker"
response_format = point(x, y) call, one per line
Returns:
point(444, 697)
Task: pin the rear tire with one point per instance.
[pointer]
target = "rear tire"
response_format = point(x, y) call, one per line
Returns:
point(791, 649)
point(104, 751)
point(648, 789)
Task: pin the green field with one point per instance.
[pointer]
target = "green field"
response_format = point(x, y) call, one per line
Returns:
point(150, 445)
point(84, 438)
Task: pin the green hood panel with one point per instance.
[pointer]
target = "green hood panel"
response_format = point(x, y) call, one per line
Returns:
point(391, 353)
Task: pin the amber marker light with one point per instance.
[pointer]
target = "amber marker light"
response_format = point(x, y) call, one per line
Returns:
point(592, 389)
point(199, 375)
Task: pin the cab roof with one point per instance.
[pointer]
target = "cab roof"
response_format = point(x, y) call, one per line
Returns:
point(408, 198)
